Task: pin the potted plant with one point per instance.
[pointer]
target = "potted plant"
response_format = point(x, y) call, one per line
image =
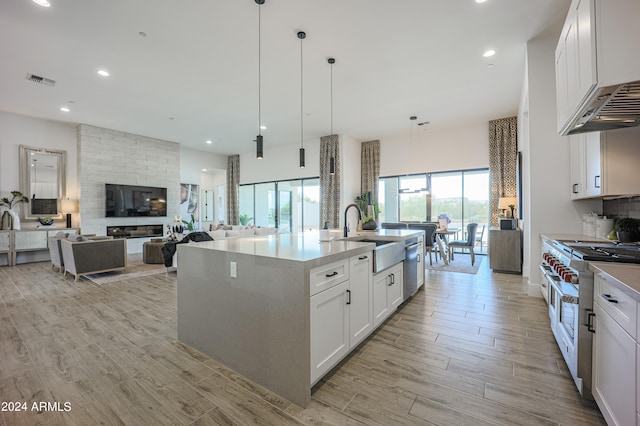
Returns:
point(369, 214)
point(10, 218)
point(628, 230)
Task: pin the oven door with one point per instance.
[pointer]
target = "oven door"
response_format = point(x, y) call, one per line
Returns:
point(565, 326)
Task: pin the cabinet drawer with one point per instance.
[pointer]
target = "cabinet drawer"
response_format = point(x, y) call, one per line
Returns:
point(326, 276)
point(622, 307)
point(30, 240)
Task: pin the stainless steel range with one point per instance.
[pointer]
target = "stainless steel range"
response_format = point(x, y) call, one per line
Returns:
point(569, 286)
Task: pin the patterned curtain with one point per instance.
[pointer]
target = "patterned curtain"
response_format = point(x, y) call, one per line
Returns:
point(370, 169)
point(329, 184)
point(233, 189)
point(503, 154)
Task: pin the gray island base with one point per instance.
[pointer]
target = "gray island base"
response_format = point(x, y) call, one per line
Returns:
point(245, 302)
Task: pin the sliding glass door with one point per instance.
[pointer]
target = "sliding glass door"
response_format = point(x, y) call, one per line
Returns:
point(291, 205)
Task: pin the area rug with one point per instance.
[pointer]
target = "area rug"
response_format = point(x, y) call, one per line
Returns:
point(135, 269)
point(461, 263)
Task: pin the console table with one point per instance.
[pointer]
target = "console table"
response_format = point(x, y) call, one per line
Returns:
point(505, 250)
point(28, 245)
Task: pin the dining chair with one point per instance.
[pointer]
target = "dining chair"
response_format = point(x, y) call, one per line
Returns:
point(429, 237)
point(469, 243)
point(393, 225)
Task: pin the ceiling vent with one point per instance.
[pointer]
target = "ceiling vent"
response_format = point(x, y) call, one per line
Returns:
point(40, 80)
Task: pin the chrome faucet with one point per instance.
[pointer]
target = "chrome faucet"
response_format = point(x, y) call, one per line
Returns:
point(346, 226)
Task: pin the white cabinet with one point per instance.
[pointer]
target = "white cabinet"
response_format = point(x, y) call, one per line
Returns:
point(605, 163)
point(387, 293)
point(360, 298)
point(592, 52)
point(614, 365)
point(329, 319)
point(615, 358)
point(340, 315)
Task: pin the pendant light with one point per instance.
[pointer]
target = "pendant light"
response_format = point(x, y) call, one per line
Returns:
point(332, 160)
point(301, 36)
point(259, 141)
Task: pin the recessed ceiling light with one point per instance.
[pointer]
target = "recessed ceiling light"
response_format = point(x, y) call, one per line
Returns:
point(64, 109)
point(489, 53)
point(480, 1)
point(204, 170)
point(103, 73)
point(209, 142)
point(263, 127)
point(43, 3)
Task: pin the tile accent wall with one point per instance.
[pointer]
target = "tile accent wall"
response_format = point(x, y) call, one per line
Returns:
point(621, 207)
point(110, 156)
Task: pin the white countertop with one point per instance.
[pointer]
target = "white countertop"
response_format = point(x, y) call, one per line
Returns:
point(571, 237)
point(304, 246)
point(627, 274)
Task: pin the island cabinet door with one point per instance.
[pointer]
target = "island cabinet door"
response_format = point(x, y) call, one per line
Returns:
point(329, 317)
point(381, 305)
point(396, 285)
point(360, 310)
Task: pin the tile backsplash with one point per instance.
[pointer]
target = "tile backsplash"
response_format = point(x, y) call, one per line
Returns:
point(622, 207)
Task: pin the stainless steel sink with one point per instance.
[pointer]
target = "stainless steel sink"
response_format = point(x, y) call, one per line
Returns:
point(386, 254)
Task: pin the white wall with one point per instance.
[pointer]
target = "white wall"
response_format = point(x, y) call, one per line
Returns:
point(16, 130)
point(435, 150)
point(280, 163)
point(548, 206)
point(110, 156)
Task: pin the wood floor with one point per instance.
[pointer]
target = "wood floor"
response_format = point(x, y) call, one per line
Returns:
point(469, 350)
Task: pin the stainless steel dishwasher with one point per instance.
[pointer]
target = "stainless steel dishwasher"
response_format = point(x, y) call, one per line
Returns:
point(410, 269)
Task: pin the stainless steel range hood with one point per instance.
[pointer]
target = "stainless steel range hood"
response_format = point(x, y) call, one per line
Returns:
point(608, 108)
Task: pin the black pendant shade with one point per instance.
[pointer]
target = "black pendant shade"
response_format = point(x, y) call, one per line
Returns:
point(259, 147)
point(302, 165)
point(332, 166)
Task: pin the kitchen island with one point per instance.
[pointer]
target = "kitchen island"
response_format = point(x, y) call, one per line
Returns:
point(266, 306)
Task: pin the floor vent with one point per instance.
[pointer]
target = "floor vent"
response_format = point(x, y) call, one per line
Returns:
point(40, 80)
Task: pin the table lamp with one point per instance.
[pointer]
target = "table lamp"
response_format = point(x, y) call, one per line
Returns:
point(68, 206)
point(505, 203)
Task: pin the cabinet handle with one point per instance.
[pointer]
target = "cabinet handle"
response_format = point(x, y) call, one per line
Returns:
point(348, 297)
point(333, 274)
point(363, 257)
point(419, 257)
point(590, 316)
point(596, 181)
point(608, 298)
point(393, 279)
point(575, 188)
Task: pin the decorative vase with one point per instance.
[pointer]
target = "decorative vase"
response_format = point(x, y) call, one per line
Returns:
point(628, 237)
point(7, 220)
point(370, 225)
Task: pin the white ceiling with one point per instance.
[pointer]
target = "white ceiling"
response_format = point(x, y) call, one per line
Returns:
point(199, 65)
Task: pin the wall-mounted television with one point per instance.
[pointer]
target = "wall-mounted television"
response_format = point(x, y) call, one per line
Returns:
point(134, 200)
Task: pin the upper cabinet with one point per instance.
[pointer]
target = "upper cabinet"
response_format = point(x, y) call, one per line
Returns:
point(604, 164)
point(597, 73)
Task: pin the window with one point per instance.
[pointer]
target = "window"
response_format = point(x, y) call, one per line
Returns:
point(291, 205)
point(462, 195)
point(413, 198)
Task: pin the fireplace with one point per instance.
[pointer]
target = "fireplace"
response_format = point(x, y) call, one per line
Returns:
point(135, 231)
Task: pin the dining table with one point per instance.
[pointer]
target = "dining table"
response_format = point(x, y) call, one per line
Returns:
point(442, 239)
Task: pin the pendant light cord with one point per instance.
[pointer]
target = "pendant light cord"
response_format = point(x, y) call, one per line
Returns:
point(301, 98)
point(259, 72)
point(331, 101)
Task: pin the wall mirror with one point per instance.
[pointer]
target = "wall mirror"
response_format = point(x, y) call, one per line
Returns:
point(42, 180)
